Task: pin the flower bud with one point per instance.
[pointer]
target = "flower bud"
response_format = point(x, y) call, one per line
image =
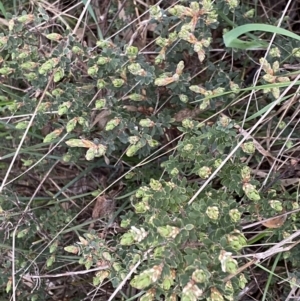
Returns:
point(102, 60)
point(276, 67)
point(168, 231)
point(57, 92)
point(127, 239)
point(234, 87)
point(215, 295)
point(30, 76)
point(22, 233)
point(228, 264)
point(249, 14)
point(118, 82)
point(242, 281)
point(11, 24)
point(53, 246)
point(266, 66)
point(101, 84)
point(275, 52)
point(153, 143)
point(92, 71)
point(132, 52)
point(283, 79)
point(125, 223)
point(163, 81)
point(236, 240)
point(174, 172)
point(204, 105)
point(201, 276)
point(48, 65)
point(276, 205)
point(224, 121)
point(77, 50)
point(54, 36)
point(275, 92)
point(188, 124)
point(105, 44)
point(149, 296)
point(22, 125)
point(167, 282)
point(133, 139)
point(178, 10)
point(53, 135)
point(141, 207)
point(289, 144)
point(248, 147)
point(212, 212)
point(204, 172)
point(246, 173)
point(136, 69)
point(147, 277)
point(162, 42)
point(235, 215)
point(100, 103)
point(197, 89)
point(25, 19)
point(72, 249)
point(155, 12)
point(217, 163)
point(180, 67)
point(183, 98)
point(58, 75)
point(251, 192)
point(112, 124)
point(233, 4)
point(206, 42)
point(28, 65)
point(146, 123)
point(155, 185)
point(64, 108)
point(71, 125)
point(191, 292)
point(136, 97)
point(188, 148)
point(269, 78)
point(296, 52)
point(6, 70)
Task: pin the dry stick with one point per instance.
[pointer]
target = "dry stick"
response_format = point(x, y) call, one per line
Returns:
point(81, 16)
point(70, 273)
point(116, 33)
point(278, 248)
point(115, 17)
point(269, 219)
point(36, 163)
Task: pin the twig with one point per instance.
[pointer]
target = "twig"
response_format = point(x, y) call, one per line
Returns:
point(69, 273)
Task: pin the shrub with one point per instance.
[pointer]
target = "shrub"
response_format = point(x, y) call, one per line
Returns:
point(181, 233)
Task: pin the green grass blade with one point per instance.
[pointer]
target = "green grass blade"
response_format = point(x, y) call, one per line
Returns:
point(91, 12)
point(2, 9)
point(231, 37)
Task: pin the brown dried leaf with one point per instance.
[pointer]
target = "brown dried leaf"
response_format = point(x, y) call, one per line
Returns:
point(103, 207)
point(186, 113)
